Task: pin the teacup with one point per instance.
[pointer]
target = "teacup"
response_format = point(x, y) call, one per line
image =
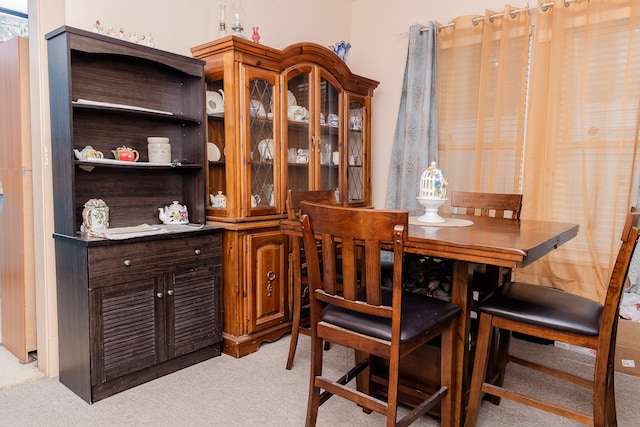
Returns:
point(333, 120)
point(297, 113)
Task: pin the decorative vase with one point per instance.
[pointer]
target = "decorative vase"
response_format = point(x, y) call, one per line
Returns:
point(255, 37)
point(341, 49)
point(95, 216)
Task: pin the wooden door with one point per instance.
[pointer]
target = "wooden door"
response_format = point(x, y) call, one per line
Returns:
point(267, 279)
point(16, 217)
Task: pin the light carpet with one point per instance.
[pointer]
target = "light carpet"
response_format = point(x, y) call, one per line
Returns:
point(258, 390)
point(14, 373)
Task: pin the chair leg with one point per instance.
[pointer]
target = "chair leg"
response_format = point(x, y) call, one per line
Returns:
point(502, 357)
point(610, 405)
point(392, 391)
point(604, 405)
point(295, 325)
point(479, 369)
point(315, 370)
point(447, 374)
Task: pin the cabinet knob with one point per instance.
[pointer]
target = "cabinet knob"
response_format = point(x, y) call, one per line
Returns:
point(170, 292)
point(197, 251)
point(127, 262)
point(159, 294)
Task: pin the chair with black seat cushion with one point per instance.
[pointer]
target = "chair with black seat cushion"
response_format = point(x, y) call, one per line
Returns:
point(550, 313)
point(298, 267)
point(495, 205)
point(373, 320)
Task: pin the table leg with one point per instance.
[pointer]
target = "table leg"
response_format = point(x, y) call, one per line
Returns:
point(461, 294)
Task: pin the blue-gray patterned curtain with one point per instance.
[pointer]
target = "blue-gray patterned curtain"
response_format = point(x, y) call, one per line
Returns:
point(415, 141)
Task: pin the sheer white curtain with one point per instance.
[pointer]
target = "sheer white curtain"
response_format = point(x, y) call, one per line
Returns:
point(545, 101)
point(482, 72)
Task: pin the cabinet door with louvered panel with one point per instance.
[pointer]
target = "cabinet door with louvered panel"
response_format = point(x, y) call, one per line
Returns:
point(194, 307)
point(127, 328)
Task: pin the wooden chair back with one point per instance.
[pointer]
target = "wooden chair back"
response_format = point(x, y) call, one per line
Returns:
point(487, 204)
point(359, 233)
point(294, 198)
point(609, 322)
point(359, 313)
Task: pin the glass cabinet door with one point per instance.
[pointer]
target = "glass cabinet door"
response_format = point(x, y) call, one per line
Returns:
point(262, 142)
point(357, 174)
point(216, 150)
point(328, 145)
point(299, 128)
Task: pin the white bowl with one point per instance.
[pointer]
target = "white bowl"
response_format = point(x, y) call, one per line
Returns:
point(157, 140)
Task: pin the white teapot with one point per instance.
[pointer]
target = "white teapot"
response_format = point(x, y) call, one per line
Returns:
point(174, 214)
point(87, 153)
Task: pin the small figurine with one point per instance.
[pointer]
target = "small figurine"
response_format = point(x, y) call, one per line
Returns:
point(98, 28)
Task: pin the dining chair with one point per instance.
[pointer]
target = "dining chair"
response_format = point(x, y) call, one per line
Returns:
point(496, 205)
point(499, 205)
point(298, 268)
point(373, 320)
point(550, 313)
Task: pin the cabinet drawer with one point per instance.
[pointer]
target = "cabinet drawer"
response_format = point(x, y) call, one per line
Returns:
point(117, 263)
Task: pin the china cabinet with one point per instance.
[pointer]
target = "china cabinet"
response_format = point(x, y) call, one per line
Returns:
point(295, 118)
point(130, 309)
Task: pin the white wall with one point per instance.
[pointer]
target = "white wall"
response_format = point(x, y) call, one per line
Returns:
point(377, 30)
point(178, 26)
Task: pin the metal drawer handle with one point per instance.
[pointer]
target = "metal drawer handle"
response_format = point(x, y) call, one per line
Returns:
point(197, 251)
point(170, 292)
point(271, 276)
point(159, 294)
point(127, 262)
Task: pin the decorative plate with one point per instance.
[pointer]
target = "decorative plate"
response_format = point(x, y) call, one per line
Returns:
point(213, 152)
point(215, 103)
point(291, 99)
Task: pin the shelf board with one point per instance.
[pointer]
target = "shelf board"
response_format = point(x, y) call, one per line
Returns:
point(133, 110)
point(112, 163)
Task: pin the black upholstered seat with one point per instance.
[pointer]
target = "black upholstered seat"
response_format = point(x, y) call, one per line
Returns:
point(419, 315)
point(545, 306)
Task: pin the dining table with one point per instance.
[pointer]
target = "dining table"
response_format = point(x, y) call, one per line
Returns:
point(469, 242)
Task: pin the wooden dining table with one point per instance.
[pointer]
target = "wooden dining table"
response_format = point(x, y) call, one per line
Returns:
point(493, 243)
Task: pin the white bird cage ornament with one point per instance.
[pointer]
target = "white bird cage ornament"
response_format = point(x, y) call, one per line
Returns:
point(433, 183)
point(433, 193)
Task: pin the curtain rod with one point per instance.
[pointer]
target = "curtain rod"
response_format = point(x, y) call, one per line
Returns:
point(513, 13)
